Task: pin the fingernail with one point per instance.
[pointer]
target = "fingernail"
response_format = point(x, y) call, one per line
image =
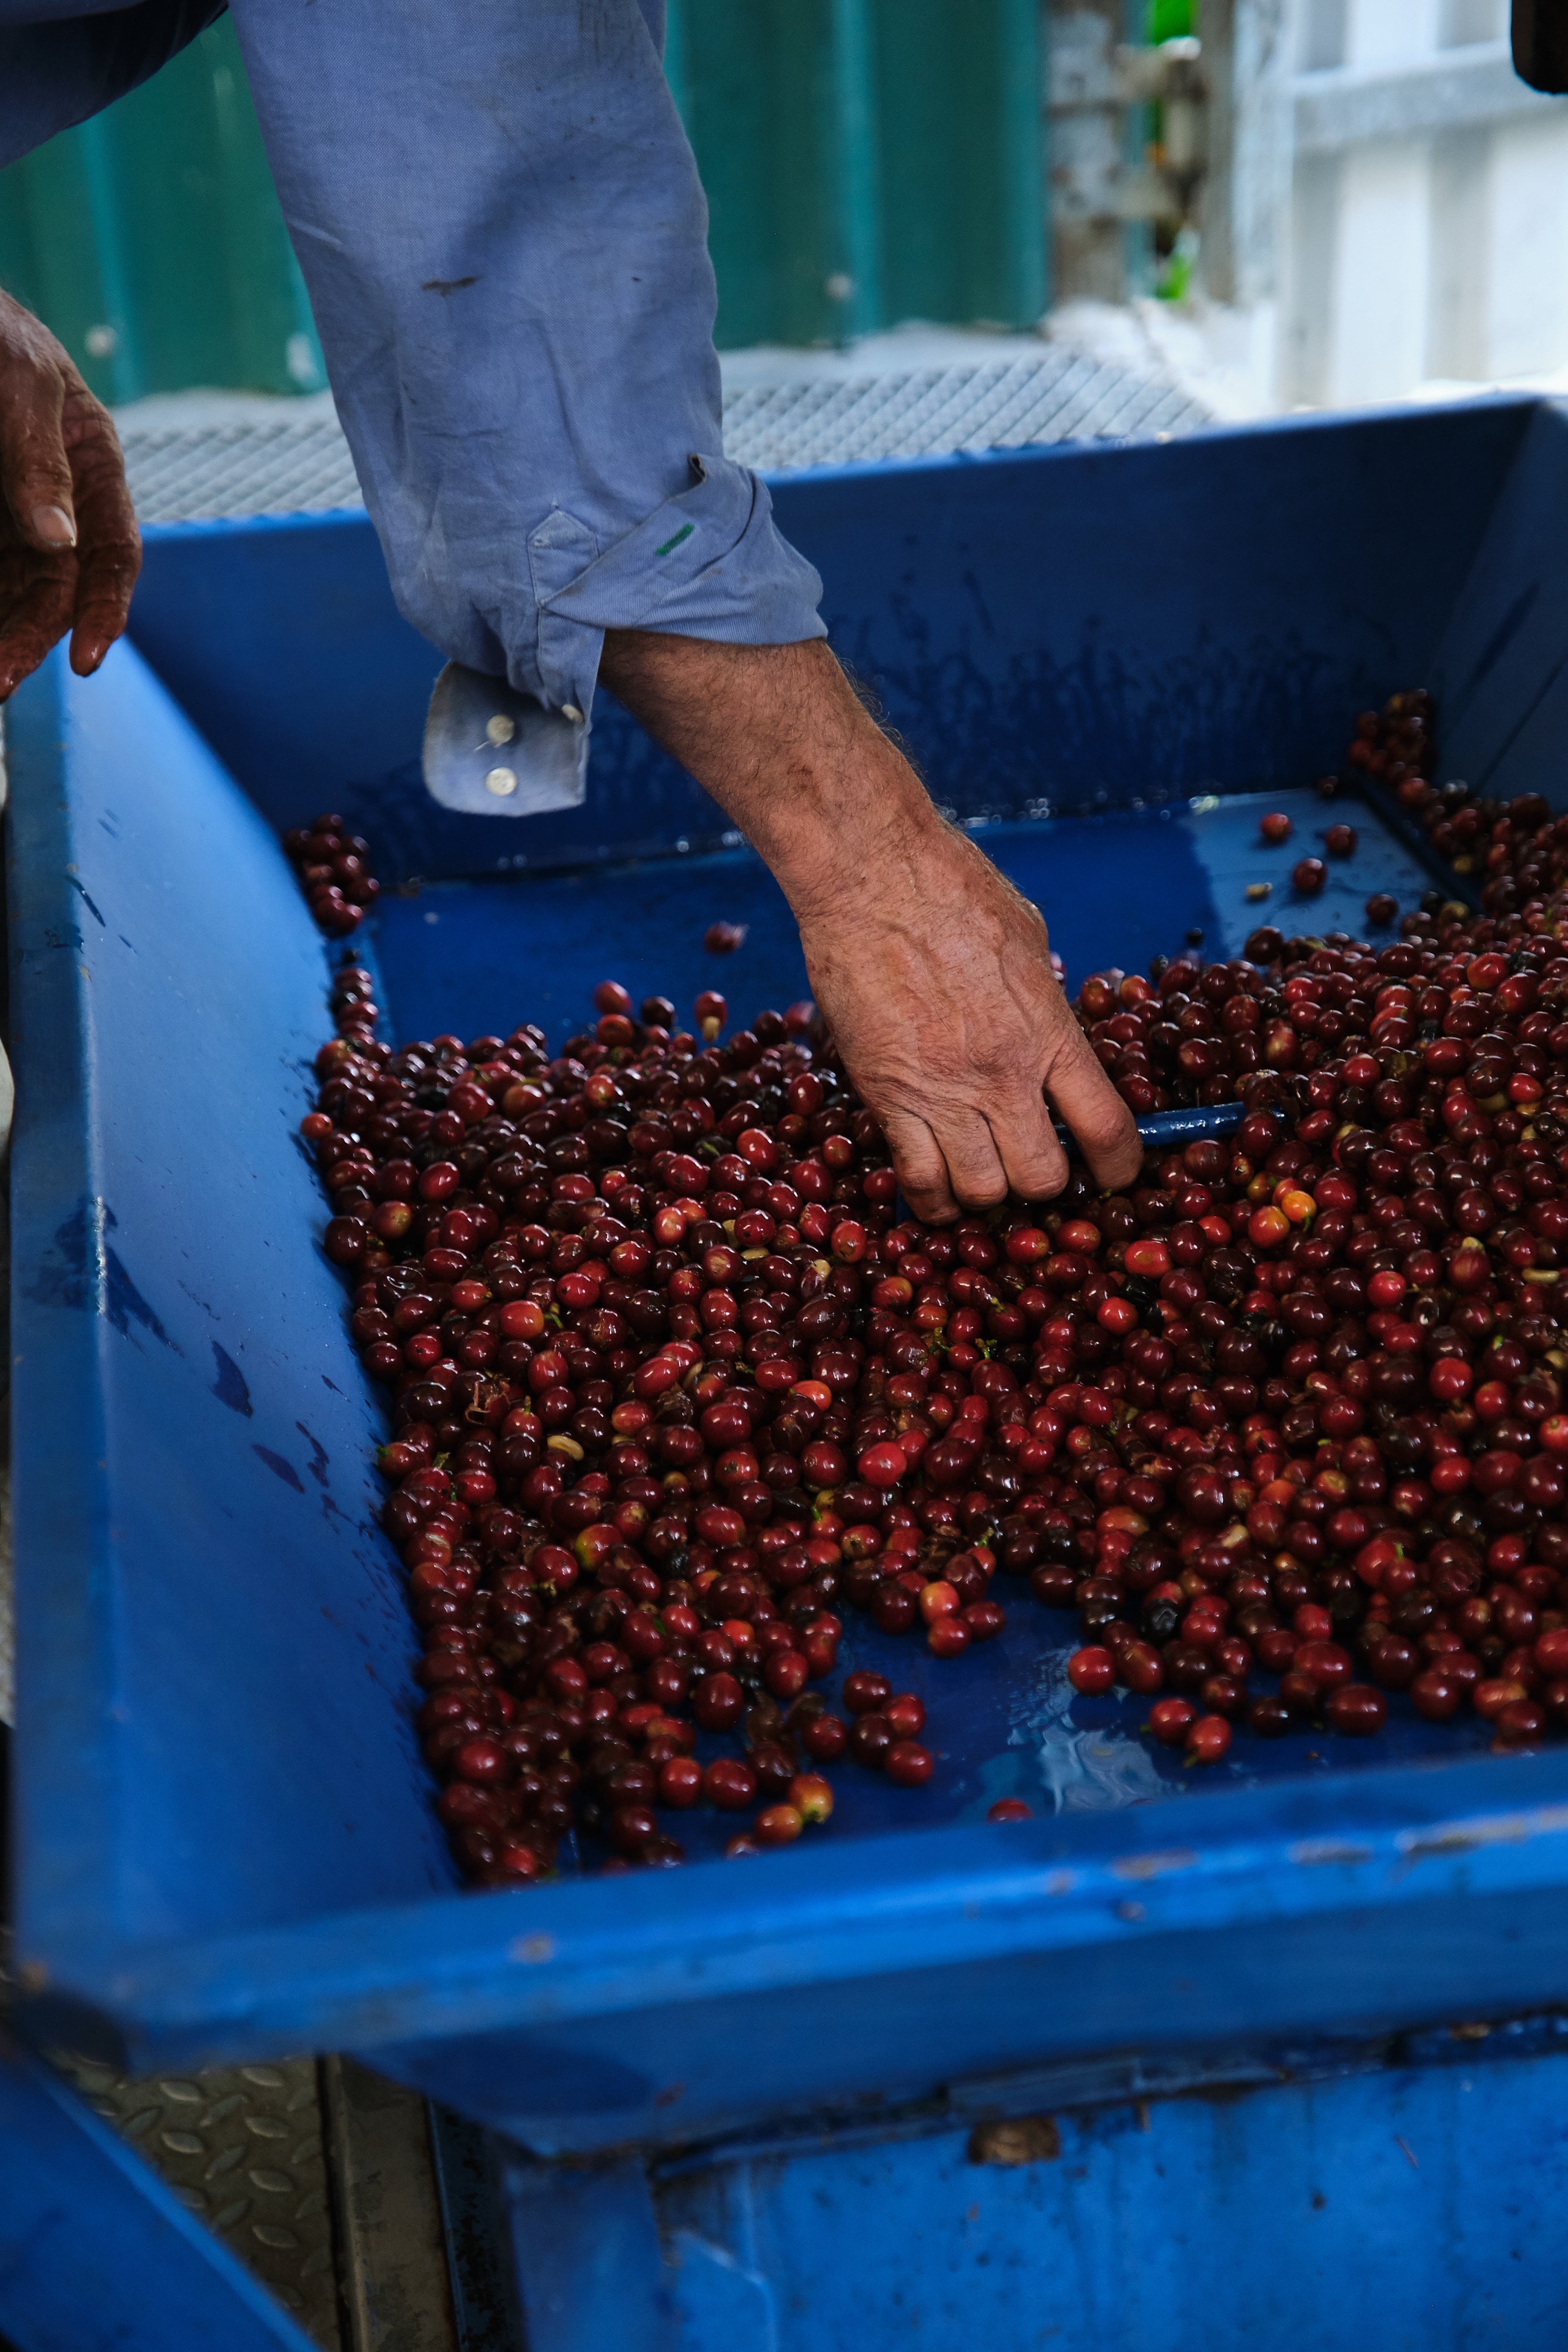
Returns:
point(54, 526)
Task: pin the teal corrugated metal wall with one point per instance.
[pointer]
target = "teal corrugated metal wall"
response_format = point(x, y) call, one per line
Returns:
point(150, 240)
point(866, 161)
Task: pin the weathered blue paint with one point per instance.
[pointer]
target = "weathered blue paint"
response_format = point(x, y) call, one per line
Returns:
point(1403, 2195)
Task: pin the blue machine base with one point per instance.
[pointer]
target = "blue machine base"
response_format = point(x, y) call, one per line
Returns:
point(1403, 2195)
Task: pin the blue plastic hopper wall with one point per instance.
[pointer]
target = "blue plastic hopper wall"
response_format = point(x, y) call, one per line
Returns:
point(224, 1846)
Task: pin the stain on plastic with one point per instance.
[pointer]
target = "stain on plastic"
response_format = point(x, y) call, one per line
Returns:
point(82, 1270)
point(230, 1387)
point(279, 1467)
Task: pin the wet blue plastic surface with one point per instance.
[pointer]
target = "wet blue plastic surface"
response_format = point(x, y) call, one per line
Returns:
point(197, 1439)
point(224, 1841)
point(479, 957)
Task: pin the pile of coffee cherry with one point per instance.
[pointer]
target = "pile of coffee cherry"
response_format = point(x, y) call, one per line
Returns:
point(1510, 851)
point(1194, 1034)
point(331, 866)
point(1309, 874)
point(677, 1389)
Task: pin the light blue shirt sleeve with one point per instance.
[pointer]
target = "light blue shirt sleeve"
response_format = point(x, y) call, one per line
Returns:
point(503, 236)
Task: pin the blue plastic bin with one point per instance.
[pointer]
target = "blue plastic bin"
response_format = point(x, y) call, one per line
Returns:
point(224, 1841)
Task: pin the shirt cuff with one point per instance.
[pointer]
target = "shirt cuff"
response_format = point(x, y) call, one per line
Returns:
point(709, 562)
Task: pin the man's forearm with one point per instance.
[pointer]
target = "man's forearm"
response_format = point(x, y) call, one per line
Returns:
point(931, 971)
point(778, 736)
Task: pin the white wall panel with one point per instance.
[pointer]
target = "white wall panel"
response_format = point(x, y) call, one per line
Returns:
point(1527, 298)
point(1384, 32)
point(1426, 236)
point(1458, 319)
point(1381, 267)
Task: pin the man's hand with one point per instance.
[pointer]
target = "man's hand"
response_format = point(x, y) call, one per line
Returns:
point(70, 549)
point(933, 973)
point(935, 981)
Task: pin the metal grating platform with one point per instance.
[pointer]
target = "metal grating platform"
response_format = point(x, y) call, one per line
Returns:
point(928, 413)
point(199, 472)
point(293, 464)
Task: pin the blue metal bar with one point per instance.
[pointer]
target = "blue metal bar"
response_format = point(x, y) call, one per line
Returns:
point(1191, 1125)
point(1022, 28)
point(1163, 1129)
point(677, 56)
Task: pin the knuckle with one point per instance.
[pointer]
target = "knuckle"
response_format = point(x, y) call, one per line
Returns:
point(99, 461)
point(981, 1191)
point(922, 1184)
point(1108, 1135)
point(1103, 1115)
point(1038, 1181)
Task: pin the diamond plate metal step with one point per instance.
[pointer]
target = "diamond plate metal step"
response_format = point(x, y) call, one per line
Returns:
point(244, 2148)
point(324, 2179)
